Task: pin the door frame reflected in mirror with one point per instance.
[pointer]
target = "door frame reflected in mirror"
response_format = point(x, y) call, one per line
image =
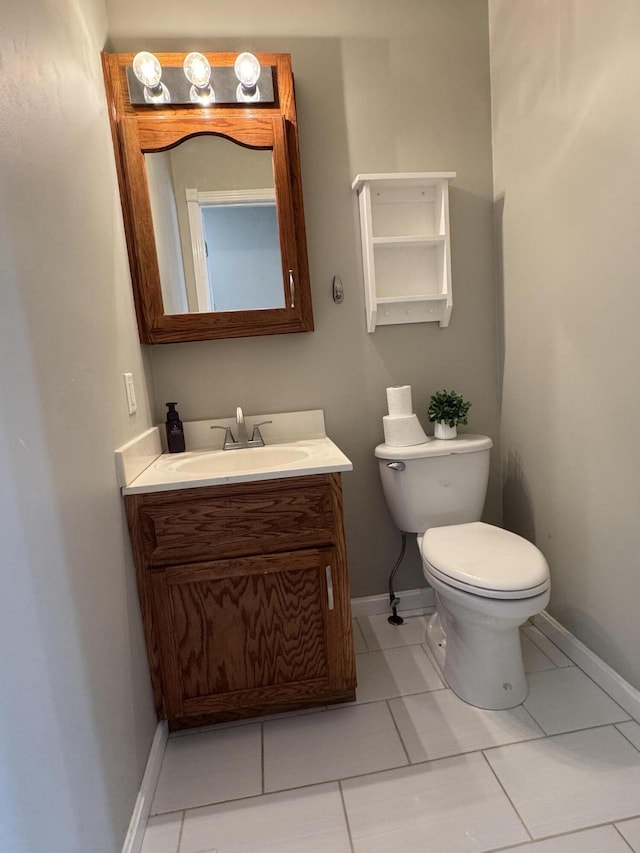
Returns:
point(224, 200)
point(140, 129)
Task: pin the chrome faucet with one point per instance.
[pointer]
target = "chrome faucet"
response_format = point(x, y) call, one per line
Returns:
point(243, 440)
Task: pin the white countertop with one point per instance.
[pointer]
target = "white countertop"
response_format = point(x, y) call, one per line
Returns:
point(296, 445)
point(272, 462)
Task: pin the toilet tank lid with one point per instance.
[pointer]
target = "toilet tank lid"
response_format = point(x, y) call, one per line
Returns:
point(465, 443)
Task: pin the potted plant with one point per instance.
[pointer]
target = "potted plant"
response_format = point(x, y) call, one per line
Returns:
point(447, 409)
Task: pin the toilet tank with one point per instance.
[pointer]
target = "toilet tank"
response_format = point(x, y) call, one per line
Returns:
point(442, 482)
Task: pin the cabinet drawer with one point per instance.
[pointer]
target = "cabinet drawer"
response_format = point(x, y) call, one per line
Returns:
point(233, 521)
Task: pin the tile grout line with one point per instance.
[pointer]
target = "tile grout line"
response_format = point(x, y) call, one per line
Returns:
point(247, 721)
point(624, 735)
point(410, 765)
point(334, 779)
point(357, 621)
point(621, 835)
point(400, 766)
point(599, 725)
point(434, 663)
point(542, 651)
point(548, 737)
point(395, 724)
point(573, 664)
point(184, 815)
point(176, 811)
point(346, 816)
point(533, 720)
point(357, 704)
point(266, 794)
point(417, 764)
point(629, 717)
point(414, 765)
point(503, 789)
point(392, 648)
point(524, 844)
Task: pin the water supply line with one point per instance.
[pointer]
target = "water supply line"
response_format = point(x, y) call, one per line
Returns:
point(394, 619)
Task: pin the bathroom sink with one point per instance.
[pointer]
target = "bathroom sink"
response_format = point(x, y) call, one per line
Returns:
point(229, 462)
point(217, 467)
point(296, 446)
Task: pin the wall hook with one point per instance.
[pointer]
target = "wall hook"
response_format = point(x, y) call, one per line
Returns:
point(338, 290)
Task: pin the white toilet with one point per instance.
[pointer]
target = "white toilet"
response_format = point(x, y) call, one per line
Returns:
point(487, 581)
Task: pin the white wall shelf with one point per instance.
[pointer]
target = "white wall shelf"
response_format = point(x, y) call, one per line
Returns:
point(404, 225)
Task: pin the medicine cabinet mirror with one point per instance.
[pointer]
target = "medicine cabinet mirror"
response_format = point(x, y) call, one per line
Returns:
point(212, 207)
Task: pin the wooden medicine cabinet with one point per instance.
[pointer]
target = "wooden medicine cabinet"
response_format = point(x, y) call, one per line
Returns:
point(212, 207)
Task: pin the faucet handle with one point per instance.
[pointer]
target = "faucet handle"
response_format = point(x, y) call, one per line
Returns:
point(255, 435)
point(229, 440)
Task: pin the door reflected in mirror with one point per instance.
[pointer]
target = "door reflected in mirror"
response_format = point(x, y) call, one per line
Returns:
point(216, 228)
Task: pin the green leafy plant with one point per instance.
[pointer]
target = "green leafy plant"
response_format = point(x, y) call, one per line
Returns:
point(449, 408)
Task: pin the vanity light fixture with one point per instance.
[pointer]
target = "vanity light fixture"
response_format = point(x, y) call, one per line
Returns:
point(248, 71)
point(148, 70)
point(197, 83)
point(198, 72)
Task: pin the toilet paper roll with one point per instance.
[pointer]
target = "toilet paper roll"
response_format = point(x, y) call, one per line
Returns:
point(399, 400)
point(403, 431)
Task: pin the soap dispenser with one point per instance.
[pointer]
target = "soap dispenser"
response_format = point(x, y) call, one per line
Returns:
point(175, 430)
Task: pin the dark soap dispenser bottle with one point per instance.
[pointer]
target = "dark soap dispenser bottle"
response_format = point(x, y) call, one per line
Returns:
point(175, 430)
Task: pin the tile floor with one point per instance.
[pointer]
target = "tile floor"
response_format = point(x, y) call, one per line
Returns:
point(410, 767)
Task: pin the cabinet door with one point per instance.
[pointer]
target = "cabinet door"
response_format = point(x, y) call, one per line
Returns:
point(253, 632)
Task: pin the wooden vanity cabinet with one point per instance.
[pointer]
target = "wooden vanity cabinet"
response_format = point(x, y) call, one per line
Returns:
point(245, 597)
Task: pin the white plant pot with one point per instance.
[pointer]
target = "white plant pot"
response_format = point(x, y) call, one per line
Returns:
point(442, 430)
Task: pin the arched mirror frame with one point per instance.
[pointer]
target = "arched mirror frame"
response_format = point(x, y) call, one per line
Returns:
point(139, 129)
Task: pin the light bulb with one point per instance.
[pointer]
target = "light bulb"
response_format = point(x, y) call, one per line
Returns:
point(148, 70)
point(247, 70)
point(247, 96)
point(197, 70)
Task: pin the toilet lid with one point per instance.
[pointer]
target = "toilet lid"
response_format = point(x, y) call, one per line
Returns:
point(486, 560)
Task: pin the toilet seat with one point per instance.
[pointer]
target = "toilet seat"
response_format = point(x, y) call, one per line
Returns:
point(485, 560)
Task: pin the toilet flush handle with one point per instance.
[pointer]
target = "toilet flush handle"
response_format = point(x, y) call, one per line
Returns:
point(396, 466)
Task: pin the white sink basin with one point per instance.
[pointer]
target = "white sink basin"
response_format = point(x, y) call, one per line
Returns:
point(221, 463)
point(216, 467)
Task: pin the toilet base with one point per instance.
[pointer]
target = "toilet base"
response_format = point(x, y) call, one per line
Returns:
point(437, 641)
point(479, 653)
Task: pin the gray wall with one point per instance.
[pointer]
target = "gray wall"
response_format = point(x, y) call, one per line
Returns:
point(380, 88)
point(76, 717)
point(566, 90)
point(166, 231)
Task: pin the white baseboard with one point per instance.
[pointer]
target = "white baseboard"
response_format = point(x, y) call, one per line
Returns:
point(135, 834)
point(604, 676)
point(410, 599)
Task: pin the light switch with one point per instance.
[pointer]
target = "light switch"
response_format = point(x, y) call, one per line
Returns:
point(131, 393)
